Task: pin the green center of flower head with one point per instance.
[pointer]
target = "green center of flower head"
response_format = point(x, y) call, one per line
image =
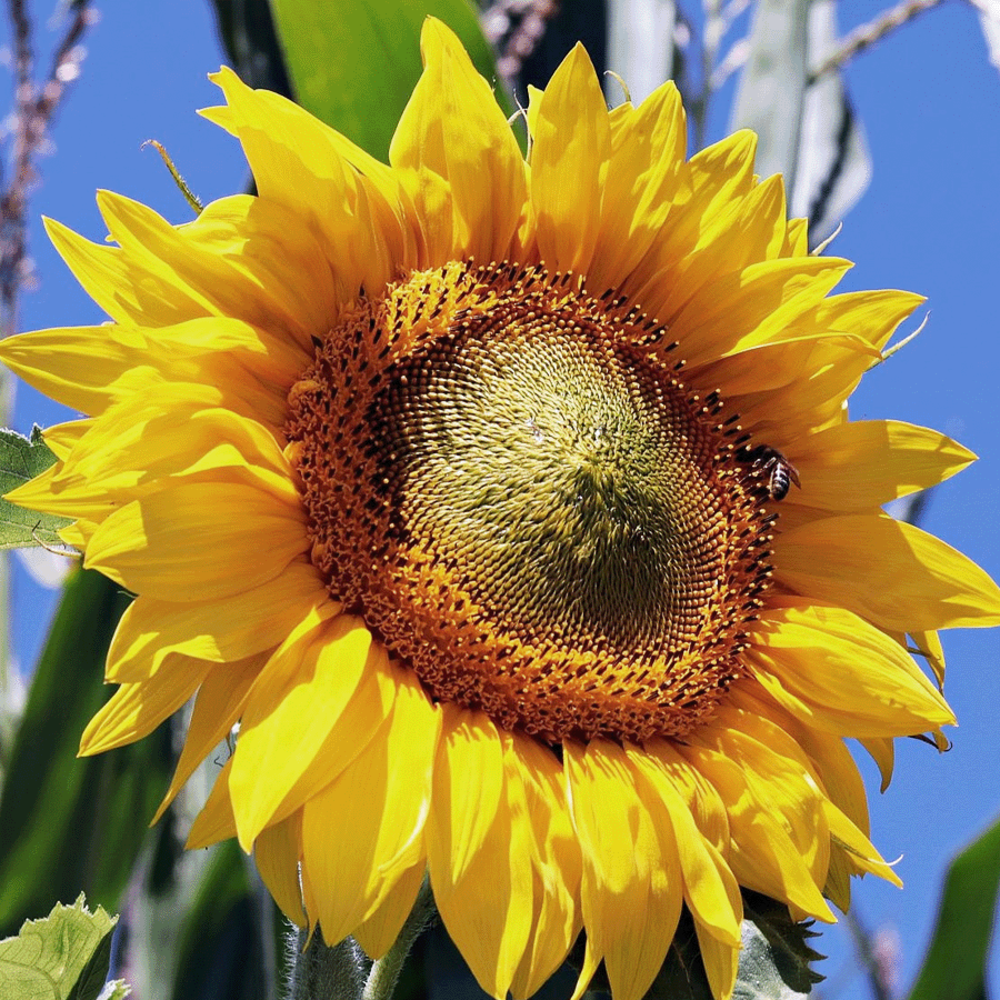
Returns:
point(553, 474)
point(506, 478)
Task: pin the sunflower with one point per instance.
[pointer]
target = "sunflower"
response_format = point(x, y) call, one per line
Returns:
point(512, 510)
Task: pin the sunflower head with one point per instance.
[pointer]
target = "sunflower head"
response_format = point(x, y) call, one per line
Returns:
point(513, 510)
point(534, 513)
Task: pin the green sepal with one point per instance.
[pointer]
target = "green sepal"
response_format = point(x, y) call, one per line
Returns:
point(775, 962)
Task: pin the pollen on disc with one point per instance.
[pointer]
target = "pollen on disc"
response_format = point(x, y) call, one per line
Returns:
point(505, 477)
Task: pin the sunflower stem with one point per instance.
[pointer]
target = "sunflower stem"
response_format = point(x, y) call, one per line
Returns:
point(320, 972)
point(384, 973)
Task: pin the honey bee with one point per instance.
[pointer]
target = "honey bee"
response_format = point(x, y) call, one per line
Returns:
point(780, 472)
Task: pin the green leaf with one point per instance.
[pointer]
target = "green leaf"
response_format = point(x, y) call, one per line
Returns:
point(64, 956)
point(354, 66)
point(91, 980)
point(21, 459)
point(69, 825)
point(772, 87)
point(955, 966)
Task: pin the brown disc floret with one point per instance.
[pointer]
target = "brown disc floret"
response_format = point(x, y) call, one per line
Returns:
point(506, 477)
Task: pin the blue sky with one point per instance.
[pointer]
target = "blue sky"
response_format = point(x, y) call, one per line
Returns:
point(930, 222)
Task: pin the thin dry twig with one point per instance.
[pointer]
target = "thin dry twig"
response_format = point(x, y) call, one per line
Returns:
point(34, 110)
point(867, 35)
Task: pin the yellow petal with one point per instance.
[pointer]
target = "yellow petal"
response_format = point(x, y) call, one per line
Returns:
point(889, 572)
point(276, 854)
point(219, 632)
point(721, 961)
point(777, 760)
point(865, 463)
point(828, 754)
point(222, 631)
point(929, 645)
point(493, 938)
point(185, 544)
point(763, 854)
point(73, 365)
point(838, 880)
point(753, 371)
point(709, 185)
point(125, 290)
point(751, 306)
point(452, 132)
point(645, 170)
point(363, 831)
point(753, 226)
point(61, 438)
point(350, 734)
point(632, 888)
point(273, 264)
point(816, 398)
point(698, 794)
point(835, 671)
point(531, 112)
point(217, 707)
point(721, 174)
point(246, 258)
point(797, 238)
point(569, 163)
point(468, 781)
point(862, 855)
point(379, 932)
point(215, 822)
point(40, 494)
point(87, 368)
point(354, 204)
point(710, 890)
point(306, 687)
point(825, 763)
point(555, 860)
point(873, 314)
point(883, 752)
point(135, 448)
point(135, 710)
point(746, 229)
point(77, 535)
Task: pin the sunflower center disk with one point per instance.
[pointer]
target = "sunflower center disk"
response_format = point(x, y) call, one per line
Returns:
point(506, 479)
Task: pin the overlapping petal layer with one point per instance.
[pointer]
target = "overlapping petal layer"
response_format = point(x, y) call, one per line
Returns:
point(349, 781)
